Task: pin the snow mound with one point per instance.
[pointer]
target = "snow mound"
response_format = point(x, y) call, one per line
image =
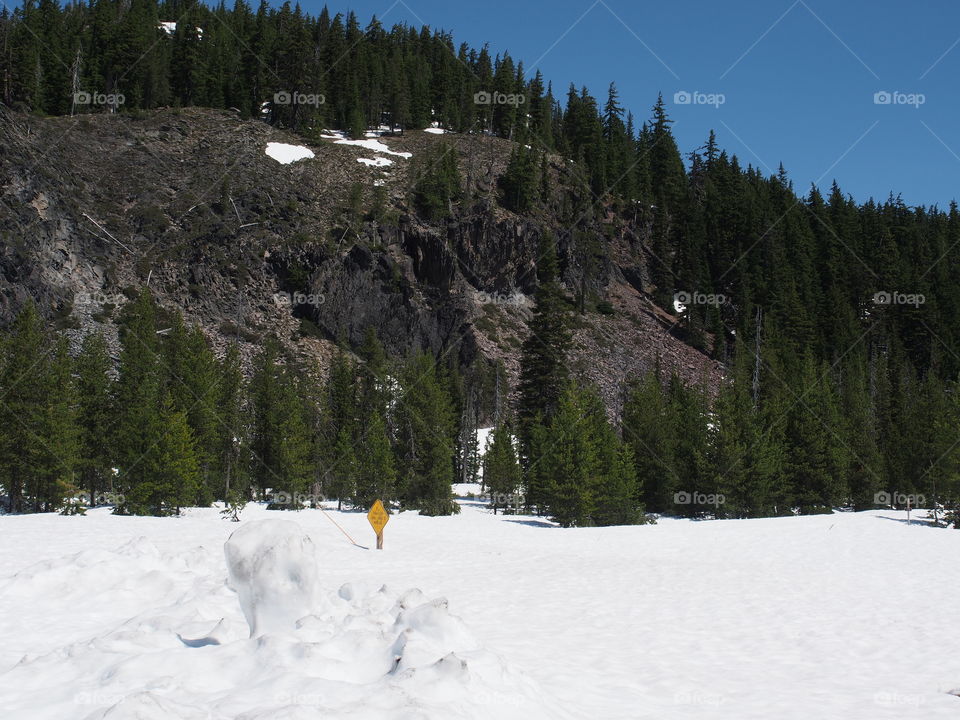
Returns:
point(286, 154)
point(180, 650)
point(375, 162)
point(434, 130)
point(272, 566)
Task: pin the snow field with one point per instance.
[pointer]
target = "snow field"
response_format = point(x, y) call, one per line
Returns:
point(845, 616)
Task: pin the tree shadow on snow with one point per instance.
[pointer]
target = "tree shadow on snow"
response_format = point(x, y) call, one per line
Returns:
point(532, 523)
point(924, 521)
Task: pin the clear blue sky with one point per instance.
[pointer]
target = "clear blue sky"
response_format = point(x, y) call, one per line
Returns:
point(798, 77)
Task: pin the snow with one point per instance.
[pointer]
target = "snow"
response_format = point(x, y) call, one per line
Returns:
point(286, 154)
point(370, 144)
point(375, 162)
point(483, 437)
point(170, 28)
point(434, 130)
point(273, 569)
point(851, 615)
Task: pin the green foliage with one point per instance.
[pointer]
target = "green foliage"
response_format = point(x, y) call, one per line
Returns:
point(437, 182)
point(519, 180)
point(501, 469)
point(425, 427)
point(281, 440)
point(543, 362)
point(586, 473)
point(95, 416)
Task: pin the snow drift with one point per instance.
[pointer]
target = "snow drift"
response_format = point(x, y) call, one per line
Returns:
point(307, 650)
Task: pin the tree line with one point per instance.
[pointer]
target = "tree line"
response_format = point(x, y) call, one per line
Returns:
point(838, 321)
point(168, 425)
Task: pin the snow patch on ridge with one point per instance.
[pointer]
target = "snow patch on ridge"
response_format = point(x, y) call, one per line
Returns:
point(286, 154)
point(375, 162)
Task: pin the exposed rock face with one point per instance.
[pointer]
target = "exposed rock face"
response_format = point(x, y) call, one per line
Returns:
point(94, 207)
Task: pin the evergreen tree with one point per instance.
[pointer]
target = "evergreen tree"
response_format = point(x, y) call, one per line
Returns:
point(437, 181)
point(23, 395)
point(231, 441)
point(53, 477)
point(650, 428)
point(376, 471)
point(519, 180)
point(139, 395)
point(171, 473)
point(95, 417)
point(543, 361)
point(280, 439)
point(501, 470)
point(424, 445)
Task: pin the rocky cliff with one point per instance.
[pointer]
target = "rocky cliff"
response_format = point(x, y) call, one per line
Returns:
point(186, 201)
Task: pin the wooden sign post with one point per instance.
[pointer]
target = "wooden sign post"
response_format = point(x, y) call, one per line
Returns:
point(378, 518)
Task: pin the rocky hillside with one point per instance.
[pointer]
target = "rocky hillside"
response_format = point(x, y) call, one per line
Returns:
point(188, 202)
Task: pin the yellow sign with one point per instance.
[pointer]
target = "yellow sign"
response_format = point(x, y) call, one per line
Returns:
point(378, 517)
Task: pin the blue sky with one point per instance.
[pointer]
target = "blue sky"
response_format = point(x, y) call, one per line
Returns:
point(798, 77)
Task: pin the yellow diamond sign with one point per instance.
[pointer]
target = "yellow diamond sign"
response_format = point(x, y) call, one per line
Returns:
point(378, 517)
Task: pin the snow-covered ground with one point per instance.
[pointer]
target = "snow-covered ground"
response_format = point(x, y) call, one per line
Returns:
point(846, 616)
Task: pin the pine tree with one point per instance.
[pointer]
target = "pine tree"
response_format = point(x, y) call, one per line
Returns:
point(23, 395)
point(437, 181)
point(376, 471)
point(425, 427)
point(341, 474)
point(501, 470)
point(519, 180)
point(53, 477)
point(192, 377)
point(543, 361)
point(281, 442)
point(171, 473)
point(95, 418)
point(231, 441)
point(650, 429)
point(139, 393)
